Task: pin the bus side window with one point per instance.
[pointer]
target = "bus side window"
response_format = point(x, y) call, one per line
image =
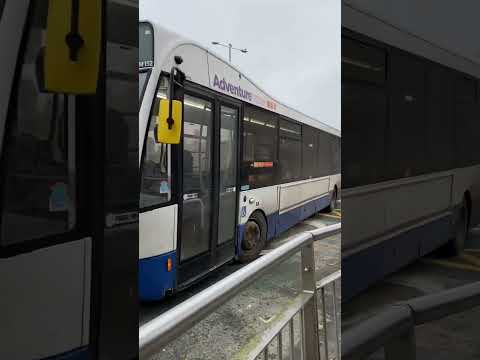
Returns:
point(336, 150)
point(324, 154)
point(2, 5)
point(290, 151)
point(309, 152)
point(260, 141)
point(156, 175)
point(38, 198)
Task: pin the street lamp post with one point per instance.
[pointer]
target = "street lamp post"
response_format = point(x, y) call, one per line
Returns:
point(230, 47)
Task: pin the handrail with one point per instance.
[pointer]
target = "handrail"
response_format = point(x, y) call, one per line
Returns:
point(434, 307)
point(329, 278)
point(157, 333)
point(370, 335)
point(397, 321)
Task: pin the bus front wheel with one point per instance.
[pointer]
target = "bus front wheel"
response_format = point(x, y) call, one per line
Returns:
point(457, 244)
point(254, 237)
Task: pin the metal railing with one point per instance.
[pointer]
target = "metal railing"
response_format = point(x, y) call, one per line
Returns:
point(159, 332)
point(311, 347)
point(394, 328)
point(322, 287)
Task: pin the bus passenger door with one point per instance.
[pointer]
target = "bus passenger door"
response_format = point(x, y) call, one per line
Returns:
point(227, 190)
point(196, 208)
point(209, 196)
point(45, 246)
point(67, 278)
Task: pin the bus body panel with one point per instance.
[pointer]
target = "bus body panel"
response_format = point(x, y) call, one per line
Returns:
point(299, 212)
point(355, 18)
point(59, 273)
point(387, 254)
point(226, 78)
point(296, 194)
point(300, 198)
point(284, 205)
point(284, 197)
point(466, 179)
point(203, 73)
point(393, 204)
point(158, 231)
point(157, 246)
point(335, 181)
point(196, 71)
point(46, 294)
point(155, 280)
point(264, 199)
point(388, 224)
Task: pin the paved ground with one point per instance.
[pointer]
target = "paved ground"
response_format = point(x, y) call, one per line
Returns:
point(327, 261)
point(236, 328)
point(455, 337)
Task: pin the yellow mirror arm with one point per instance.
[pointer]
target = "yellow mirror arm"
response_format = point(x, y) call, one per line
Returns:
point(73, 39)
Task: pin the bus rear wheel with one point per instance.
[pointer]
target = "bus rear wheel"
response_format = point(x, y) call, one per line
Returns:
point(333, 201)
point(254, 237)
point(457, 244)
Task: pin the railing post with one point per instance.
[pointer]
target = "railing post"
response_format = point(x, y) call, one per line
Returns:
point(402, 347)
point(324, 317)
point(335, 319)
point(310, 314)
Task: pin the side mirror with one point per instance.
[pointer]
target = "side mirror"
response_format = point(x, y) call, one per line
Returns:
point(71, 56)
point(169, 122)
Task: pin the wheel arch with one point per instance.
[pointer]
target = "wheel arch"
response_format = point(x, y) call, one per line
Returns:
point(468, 198)
point(261, 212)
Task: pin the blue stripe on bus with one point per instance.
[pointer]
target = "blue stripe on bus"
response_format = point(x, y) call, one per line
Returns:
point(154, 279)
point(363, 269)
point(277, 224)
point(288, 219)
point(294, 216)
point(272, 225)
point(323, 202)
point(238, 245)
point(77, 354)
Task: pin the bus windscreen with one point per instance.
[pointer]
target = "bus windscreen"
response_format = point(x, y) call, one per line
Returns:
point(145, 56)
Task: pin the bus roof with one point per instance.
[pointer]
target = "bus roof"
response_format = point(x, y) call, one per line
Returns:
point(402, 24)
point(213, 71)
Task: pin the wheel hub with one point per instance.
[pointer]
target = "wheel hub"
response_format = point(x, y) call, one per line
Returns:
point(252, 235)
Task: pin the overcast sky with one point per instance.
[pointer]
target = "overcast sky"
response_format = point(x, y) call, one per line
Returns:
point(293, 46)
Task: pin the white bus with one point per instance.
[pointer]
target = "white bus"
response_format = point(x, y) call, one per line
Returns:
point(411, 154)
point(247, 167)
point(68, 279)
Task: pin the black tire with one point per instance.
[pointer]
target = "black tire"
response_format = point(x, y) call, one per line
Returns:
point(457, 244)
point(254, 237)
point(333, 201)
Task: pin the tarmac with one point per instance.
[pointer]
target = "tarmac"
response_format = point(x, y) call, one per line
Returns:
point(238, 326)
point(454, 337)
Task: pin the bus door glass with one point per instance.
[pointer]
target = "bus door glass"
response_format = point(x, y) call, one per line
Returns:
point(197, 177)
point(38, 166)
point(156, 186)
point(210, 162)
point(45, 254)
point(228, 174)
point(145, 56)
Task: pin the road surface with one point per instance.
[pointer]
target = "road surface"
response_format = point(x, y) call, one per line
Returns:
point(236, 327)
point(455, 337)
